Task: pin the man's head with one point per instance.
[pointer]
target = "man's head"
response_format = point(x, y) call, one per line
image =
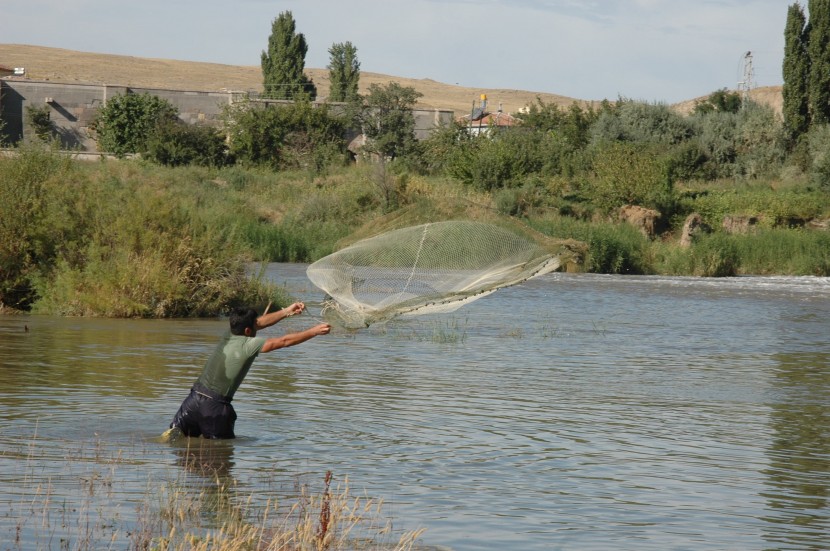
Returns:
point(243, 321)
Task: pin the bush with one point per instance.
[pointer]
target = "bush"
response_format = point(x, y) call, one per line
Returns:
point(295, 135)
point(629, 174)
point(718, 139)
point(503, 160)
point(177, 144)
point(27, 218)
point(640, 122)
point(761, 146)
point(38, 119)
point(819, 150)
point(126, 122)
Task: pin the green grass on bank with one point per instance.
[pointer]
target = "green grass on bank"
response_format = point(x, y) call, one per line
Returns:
point(130, 238)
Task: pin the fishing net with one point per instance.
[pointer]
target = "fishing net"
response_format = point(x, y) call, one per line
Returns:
point(428, 268)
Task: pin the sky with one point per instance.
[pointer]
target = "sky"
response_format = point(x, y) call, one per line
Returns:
point(662, 51)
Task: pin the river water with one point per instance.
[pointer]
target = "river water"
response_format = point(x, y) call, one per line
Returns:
point(573, 411)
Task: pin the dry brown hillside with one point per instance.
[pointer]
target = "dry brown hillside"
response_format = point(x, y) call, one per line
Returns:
point(59, 65)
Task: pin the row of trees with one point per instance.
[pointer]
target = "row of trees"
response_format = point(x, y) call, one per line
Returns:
point(806, 68)
point(283, 65)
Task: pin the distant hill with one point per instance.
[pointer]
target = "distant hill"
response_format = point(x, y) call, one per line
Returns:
point(59, 65)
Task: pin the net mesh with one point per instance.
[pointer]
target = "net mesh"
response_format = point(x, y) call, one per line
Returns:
point(429, 268)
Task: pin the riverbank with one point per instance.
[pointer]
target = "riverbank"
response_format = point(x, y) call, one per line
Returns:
point(126, 238)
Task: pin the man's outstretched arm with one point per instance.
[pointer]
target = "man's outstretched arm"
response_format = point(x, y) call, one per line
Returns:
point(295, 338)
point(267, 320)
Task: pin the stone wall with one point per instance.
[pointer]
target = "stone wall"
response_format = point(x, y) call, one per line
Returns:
point(72, 107)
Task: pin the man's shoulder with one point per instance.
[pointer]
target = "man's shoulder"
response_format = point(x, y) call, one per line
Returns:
point(249, 344)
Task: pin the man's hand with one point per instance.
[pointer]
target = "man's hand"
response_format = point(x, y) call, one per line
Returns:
point(296, 308)
point(321, 329)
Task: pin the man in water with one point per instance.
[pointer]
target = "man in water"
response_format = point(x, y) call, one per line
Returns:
point(207, 411)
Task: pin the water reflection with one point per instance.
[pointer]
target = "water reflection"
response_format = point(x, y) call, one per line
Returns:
point(798, 477)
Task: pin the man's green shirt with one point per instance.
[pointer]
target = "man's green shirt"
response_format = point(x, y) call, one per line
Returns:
point(230, 362)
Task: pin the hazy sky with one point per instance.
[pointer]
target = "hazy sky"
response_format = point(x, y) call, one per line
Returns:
point(652, 50)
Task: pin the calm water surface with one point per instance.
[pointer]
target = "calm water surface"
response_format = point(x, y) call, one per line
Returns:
point(569, 412)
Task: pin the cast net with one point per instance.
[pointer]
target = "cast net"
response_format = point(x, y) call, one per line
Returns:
point(429, 268)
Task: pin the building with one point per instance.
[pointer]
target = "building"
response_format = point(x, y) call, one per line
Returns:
point(480, 121)
point(73, 107)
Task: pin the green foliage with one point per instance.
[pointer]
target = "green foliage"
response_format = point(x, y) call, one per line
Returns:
point(113, 240)
point(796, 72)
point(761, 146)
point(439, 148)
point(388, 122)
point(640, 122)
point(176, 144)
point(612, 248)
point(818, 48)
point(126, 122)
point(718, 140)
point(722, 101)
point(25, 208)
point(714, 256)
point(784, 251)
point(296, 135)
point(344, 72)
point(38, 119)
point(521, 201)
point(772, 208)
point(499, 161)
point(629, 174)
point(573, 124)
point(283, 64)
point(818, 142)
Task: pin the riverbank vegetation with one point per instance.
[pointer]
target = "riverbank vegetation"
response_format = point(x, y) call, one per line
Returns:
point(137, 238)
point(174, 232)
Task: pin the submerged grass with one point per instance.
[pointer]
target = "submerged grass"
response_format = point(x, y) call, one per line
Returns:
point(201, 508)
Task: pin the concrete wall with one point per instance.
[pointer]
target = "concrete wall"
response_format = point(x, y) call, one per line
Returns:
point(72, 108)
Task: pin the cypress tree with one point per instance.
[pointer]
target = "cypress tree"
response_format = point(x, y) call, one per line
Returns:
point(818, 49)
point(796, 72)
point(344, 72)
point(284, 62)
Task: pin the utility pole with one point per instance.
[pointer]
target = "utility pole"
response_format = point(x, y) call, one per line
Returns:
point(747, 83)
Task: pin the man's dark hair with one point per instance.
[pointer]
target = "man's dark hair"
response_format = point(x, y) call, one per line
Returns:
point(241, 318)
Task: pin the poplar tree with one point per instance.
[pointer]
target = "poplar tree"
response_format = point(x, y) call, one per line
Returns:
point(344, 72)
point(818, 49)
point(796, 72)
point(284, 62)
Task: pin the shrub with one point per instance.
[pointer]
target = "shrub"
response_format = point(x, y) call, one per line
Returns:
point(27, 243)
point(295, 135)
point(819, 150)
point(176, 144)
point(503, 160)
point(718, 139)
point(640, 122)
point(629, 174)
point(38, 119)
point(126, 122)
point(761, 146)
